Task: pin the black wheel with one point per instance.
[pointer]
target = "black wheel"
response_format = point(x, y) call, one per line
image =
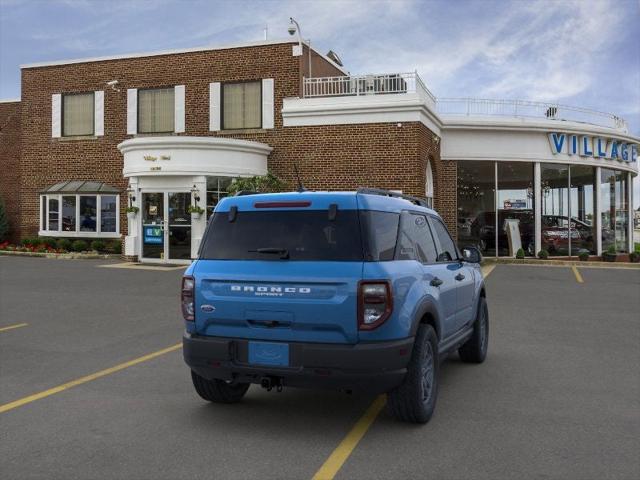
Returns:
point(415, 399)
point(218, 391)
point(475, 349)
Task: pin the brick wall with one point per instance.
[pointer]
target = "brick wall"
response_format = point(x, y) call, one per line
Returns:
point(329, 157)
point(10, 164)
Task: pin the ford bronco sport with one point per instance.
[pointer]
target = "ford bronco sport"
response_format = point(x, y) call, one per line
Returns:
point(357, 290)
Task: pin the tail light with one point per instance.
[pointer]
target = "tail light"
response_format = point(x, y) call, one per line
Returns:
point(375, 303)
point(187, 298)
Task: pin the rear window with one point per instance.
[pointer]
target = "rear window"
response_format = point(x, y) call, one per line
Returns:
point(291, 234)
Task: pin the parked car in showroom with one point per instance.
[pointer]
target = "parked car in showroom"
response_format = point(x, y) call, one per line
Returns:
point(357, 290)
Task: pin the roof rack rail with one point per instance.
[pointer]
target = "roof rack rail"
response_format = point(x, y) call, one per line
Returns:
point(242, 193)
point(388, 193)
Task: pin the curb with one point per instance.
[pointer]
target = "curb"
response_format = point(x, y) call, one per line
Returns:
point(561, 263)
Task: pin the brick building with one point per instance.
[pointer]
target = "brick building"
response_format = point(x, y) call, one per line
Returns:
point(165, 130)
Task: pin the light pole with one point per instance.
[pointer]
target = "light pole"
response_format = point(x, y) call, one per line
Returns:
point(294, 27)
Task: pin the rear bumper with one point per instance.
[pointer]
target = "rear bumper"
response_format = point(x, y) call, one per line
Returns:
point(373, 367)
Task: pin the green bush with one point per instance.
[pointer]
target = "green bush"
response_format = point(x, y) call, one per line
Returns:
point(79, 246)
point(543, 254)
point(4, 222)
point(97, 245)
point(115, 247)
point(611, 249)
point(268, 183)
point(28, 241)
point(64, 244)
point(520, 253)
point(47, 242)
point(583, 256)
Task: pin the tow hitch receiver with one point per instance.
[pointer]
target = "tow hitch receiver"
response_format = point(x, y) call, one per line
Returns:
point(271, 382)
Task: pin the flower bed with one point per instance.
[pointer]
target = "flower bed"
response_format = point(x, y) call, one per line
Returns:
point(53, 246)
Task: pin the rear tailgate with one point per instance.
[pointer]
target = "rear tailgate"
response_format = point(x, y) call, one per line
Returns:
point(278, 300)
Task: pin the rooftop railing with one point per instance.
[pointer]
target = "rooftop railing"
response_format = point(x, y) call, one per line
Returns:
point(402, 83)
point(528, 109)
point(357, 85)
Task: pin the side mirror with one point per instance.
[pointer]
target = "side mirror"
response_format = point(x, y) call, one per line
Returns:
point(471, 255)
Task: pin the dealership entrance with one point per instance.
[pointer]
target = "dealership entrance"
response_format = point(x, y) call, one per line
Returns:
point(166, 227)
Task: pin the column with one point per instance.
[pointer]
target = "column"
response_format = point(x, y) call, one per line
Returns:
point(598, 212)
point(537, 208)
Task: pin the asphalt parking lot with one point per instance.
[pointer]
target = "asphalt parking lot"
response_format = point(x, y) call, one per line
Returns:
point(558, 397)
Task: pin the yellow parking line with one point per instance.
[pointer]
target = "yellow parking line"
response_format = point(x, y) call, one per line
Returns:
point(577, 274)
point(335, 461)
point(487, 269)
point(11, 327)
point(74, 383)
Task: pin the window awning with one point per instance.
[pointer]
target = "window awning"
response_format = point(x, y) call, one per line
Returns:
point(81, 186)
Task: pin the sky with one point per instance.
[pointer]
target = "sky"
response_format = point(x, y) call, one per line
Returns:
point(584, 53)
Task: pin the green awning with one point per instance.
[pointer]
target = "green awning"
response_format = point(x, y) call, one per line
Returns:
point(81, 186)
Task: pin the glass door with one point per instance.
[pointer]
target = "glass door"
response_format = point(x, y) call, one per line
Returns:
point(153, 215)
point(179, 244)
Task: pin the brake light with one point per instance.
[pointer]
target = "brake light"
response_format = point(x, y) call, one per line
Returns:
point(281, 204)
point(375, 303)
point(187, 298)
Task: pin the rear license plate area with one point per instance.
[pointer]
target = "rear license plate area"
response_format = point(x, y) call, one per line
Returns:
point(269, 353)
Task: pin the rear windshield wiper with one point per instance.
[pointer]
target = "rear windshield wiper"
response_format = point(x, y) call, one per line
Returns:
point(283, 252)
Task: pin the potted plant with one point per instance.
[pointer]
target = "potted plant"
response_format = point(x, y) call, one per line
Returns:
point(610, 255)
point(132, 211)
point(583, 256)
point(195, 211)
point(520, 254)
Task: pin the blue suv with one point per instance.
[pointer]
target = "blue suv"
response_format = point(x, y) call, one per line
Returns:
point(357, 290)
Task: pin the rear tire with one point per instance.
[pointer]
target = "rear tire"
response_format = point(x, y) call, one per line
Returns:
point(415, 399)
point(475, 349)
point(218, 391)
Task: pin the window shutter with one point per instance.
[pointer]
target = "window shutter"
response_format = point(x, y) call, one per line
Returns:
point(98, 111)
point(214, 106)
point(267, 103)
point(179, 108)
point(132, 111)
point(56, 115)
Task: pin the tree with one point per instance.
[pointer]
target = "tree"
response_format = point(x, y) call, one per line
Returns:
point(4, 222)
point(268, 183)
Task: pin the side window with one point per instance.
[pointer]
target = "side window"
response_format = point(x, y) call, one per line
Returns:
point(379, 233)
point(446, 248)
point(415, 241)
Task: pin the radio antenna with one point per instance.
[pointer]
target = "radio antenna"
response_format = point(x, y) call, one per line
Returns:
point(300, 185)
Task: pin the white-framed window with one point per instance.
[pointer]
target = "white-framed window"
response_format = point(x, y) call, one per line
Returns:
point(79, 114)
point(156, 110)
point(80, 215)
point(241, 105)
point(428, 187)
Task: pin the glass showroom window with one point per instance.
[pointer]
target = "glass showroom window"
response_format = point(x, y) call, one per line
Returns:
point(581, 204)
point(516, 223)
point(80, 215)
point(241, 105)
point(216, 190)
point(554, 180)
point(77, 114)
point(614, 209)
point(156, 110)
point(477, 205)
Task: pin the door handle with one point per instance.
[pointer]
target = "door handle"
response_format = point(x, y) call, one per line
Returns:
point(459, 277)
point(436, 282)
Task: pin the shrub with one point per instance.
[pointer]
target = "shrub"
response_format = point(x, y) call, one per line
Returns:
point(268, 183)
point(611, 249)
point(47, 242)
point(4, 222)
point(583, 256)
point(115, 247)
point(97, 245)
point(543, 254)
point(64, 244)
point(29, 242)
point(634, 257)
point(79, 246)
point(520, 253)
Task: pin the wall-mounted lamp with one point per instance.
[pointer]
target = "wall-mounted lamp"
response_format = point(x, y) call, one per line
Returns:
point(132, 197)
point(195, 195)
